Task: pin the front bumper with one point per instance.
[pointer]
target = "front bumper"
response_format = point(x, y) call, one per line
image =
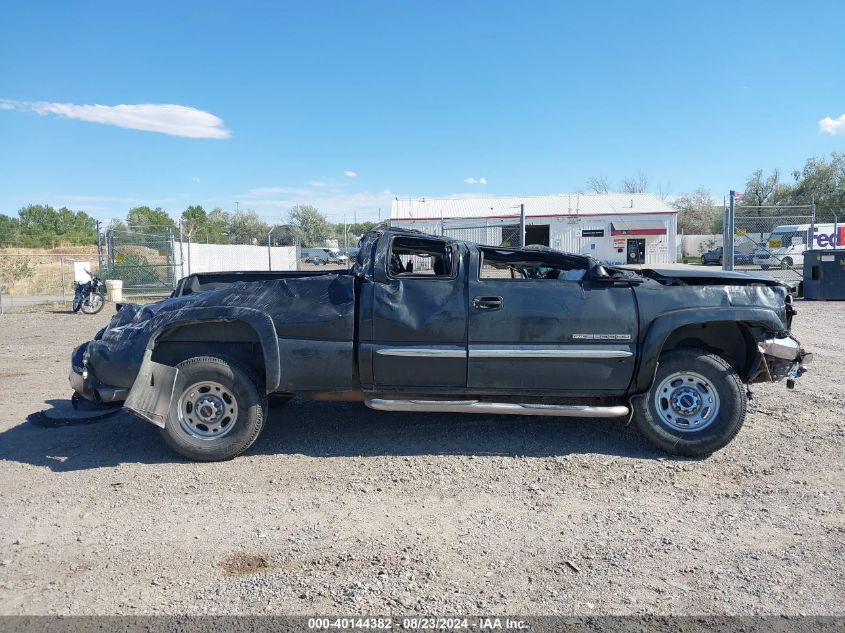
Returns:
point(86, 384)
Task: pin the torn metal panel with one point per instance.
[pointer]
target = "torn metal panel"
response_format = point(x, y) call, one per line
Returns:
point(151, 396)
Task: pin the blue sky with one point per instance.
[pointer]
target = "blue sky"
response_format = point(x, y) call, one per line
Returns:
point(348, 104)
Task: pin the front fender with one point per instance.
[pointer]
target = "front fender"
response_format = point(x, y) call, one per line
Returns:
point(663, 326)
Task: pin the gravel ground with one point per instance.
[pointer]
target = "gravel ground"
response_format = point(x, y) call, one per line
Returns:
point(342, 509)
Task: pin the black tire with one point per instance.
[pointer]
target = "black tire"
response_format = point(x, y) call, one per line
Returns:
point(93, 303)
point(764, 266)
point(714, 435)
point(719, 263)
point(786, 262)
point(250, 406)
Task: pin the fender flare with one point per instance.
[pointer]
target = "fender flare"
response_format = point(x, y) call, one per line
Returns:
point(663, 326)
point(152, 391)
point(259, 321)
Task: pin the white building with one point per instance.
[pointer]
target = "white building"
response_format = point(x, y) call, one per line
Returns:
point(616, 228)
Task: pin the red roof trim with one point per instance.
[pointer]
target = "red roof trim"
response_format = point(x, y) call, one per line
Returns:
point(527, 216)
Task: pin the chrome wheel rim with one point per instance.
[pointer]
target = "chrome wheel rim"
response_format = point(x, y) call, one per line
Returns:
point(686, 401)
point(207, 410)
point(92, 302)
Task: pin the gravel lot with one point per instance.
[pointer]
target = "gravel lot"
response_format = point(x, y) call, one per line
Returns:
point(342, 509)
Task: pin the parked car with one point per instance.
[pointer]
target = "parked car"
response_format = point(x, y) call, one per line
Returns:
point(478, 329)
point(716, 256)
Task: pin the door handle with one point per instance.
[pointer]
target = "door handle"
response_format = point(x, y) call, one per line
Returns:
point(487, 303)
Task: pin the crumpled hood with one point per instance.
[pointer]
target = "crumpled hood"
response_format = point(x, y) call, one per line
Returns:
point(699, 276)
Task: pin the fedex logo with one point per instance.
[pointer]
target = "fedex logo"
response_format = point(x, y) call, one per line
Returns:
point(828, 240)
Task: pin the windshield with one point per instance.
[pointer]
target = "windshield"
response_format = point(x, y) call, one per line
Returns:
point(783, 237)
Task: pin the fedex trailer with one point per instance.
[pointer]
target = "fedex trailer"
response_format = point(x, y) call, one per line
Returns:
point(786, 244)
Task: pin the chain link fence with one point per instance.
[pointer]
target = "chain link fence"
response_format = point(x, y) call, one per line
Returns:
point(33, 277)
point(772, 240)
point(482, 231)
point(143, 258)
point(150, 260)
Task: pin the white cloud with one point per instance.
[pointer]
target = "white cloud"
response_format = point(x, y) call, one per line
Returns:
point(834, 127)
point(350, 174)
point(175, 120)
point(482, 181)
point(195, 178)
point(475, 181)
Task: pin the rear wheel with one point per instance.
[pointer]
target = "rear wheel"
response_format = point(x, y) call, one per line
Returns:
point(217, 412)
point(786, 262)
point(695, 406)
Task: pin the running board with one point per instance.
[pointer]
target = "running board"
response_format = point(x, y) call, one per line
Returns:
point(507, 408)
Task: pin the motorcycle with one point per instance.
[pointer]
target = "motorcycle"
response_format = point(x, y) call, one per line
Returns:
point(89, 296)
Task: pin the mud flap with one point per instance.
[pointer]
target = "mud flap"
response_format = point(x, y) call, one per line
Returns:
point(152, 392)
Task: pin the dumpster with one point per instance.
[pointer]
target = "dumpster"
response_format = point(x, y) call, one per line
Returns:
point(824, 274)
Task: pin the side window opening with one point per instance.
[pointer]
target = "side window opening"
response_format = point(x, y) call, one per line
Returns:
point(416, 257)
point(522, 265)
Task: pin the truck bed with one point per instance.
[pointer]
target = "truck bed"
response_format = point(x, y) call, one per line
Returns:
point(198, 282)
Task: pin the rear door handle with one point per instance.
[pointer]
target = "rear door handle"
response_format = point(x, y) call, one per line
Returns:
point(487, 303)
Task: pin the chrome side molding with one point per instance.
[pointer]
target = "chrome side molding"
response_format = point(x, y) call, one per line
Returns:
point(506, 408)
point(527, 352)
point(423, 352)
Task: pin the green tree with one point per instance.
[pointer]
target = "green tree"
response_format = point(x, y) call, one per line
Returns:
point(146, 220)
point(194, 222)
point(43, 226)
point(823, 181)
point(311, 227)
point(217, 228)
point(245, 227)
point(10, 230)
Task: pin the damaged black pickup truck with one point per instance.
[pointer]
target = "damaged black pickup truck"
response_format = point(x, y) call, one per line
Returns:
point(425, 323)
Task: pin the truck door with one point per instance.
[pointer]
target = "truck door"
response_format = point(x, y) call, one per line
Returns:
point(536, 324)
point(419, 315)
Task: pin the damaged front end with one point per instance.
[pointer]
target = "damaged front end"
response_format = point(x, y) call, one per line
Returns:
point(781, 357)
point(88, 372)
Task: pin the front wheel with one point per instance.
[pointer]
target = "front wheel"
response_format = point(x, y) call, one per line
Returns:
point(695, 406)
point(93, 303)
point(217, 411)
point(786, 262)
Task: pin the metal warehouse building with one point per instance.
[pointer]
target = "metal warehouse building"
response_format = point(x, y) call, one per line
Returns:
point(615, 228)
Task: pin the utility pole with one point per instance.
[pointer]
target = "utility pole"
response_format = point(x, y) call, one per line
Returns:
point(728, 248)
point(345, 234)
point(522, 226)
point(269, 251)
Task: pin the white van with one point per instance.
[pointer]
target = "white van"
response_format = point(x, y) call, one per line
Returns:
point(324, 255)
point(786, 245)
